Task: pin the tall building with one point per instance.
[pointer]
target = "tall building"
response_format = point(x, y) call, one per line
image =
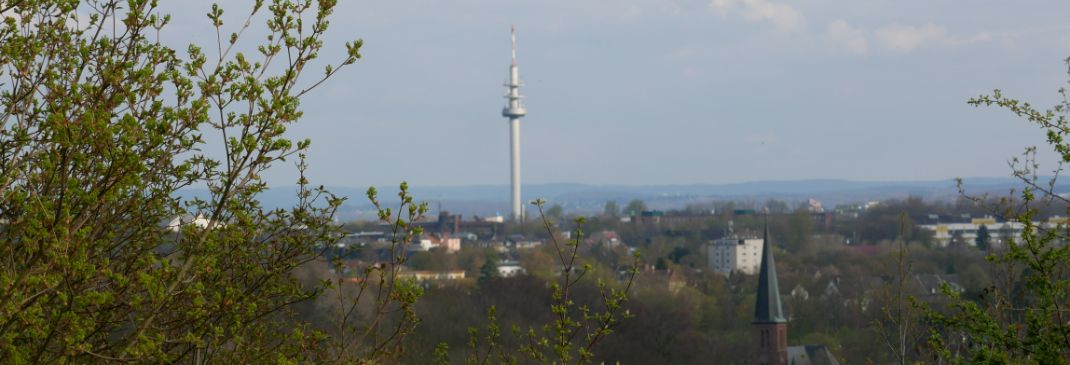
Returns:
point(735, 254)
point(514, 110)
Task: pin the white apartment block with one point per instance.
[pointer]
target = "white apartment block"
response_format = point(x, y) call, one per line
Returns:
point(736, 254)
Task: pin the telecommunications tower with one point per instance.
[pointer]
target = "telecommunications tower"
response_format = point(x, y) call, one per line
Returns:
point(514, 110)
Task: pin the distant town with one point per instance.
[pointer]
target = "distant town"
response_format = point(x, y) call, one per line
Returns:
point(827, 257)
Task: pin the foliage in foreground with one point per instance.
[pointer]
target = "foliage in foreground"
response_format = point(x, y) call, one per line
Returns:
point(103, 261)
point(574, 329)
point(1022, 316)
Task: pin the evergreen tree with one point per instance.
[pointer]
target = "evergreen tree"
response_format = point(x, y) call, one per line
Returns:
point(661, 264)
point(983, 238)
point(488, 272)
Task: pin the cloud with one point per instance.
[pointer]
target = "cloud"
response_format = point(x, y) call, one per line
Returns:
point(722, 5)
point(847, 36)
point(781, 16)
point(906, 38)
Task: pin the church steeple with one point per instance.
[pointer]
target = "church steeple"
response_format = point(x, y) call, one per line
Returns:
point(768, 308)
point(770, 328)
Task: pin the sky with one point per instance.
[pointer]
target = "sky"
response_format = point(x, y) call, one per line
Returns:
point(645, 92)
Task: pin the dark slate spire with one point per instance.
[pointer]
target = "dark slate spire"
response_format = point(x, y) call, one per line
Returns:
point(768, 309)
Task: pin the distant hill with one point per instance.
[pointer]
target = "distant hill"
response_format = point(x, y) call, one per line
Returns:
point(487, 200)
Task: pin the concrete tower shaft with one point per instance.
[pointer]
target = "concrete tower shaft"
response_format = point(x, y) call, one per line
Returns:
point(514, 110)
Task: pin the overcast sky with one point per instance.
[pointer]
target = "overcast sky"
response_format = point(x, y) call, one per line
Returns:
point(675, 92)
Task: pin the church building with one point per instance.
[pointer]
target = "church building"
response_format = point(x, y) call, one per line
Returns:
point(769, 339)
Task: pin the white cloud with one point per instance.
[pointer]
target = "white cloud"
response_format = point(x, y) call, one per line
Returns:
point(847, 36)
point(855, 38)
point(780, 15)
point(905, 38)
point(722, 5)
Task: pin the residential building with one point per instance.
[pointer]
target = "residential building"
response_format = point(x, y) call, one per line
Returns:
point(605, 238)
point(735, 254)
point(442, 241)
point(510, 268)
point(423, 275)
point(199, 220)
point(519, 242)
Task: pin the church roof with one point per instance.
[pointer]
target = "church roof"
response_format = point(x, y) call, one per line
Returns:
point(768, 308)
point(811, 355)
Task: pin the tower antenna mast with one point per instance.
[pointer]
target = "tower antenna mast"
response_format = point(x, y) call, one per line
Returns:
point(514, 110)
